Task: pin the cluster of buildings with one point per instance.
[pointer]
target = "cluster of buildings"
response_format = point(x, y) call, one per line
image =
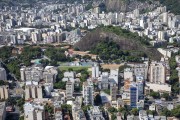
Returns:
point(42, 24)
point(52, 23)
point(55, 23)
point(125, 89)
point(36, 76)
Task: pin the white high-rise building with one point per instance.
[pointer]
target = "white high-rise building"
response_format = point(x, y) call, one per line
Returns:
point(69, 89)
point(88, 92)
point(165, 17)
point(3, 75)
point(162, 35)
point(114, 74)
point(34, 37)
point(136, 13)
point(141, 23)
point(39, 91)
point(95, 71)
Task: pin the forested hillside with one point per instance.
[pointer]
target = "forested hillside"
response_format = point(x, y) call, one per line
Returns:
point(124, 44)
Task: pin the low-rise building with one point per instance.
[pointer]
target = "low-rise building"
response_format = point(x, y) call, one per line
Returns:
point(95, 113)
point(159, 87)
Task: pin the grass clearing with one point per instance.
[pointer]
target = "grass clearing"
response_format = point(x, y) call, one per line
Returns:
point(75, 68)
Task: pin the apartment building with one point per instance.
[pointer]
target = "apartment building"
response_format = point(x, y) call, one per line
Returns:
point(88, 92)
point(33, 91)
point(4, 92)
point(157, 72)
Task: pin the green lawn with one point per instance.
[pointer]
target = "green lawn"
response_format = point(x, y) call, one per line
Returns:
point(75, 68)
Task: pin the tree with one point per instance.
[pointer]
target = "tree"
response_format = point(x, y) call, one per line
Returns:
point(113, 117)
point(166, 112)
point(107, 91)
point(44, 62)
point(176, 111)
point(70, 69)
point(60, 76)
point(21, 118)
point(20, 104)
point(67, 107)
point(53, 63)
point(112, 110)
point(27, 62)
point(155, 95)
point(86, 57)
point(49, 109)
point(166, 96)
point(134, 111)
point(149, 112)
point(121, 109)
point(2, 82)
point(60, 85)
point(86, 107)
point(84, 75)
point(5, 52)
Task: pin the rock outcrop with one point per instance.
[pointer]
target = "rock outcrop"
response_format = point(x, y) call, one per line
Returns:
point(116, 5)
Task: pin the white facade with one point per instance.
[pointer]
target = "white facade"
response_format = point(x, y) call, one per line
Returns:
point(69, 74)
point(128, 74)
point(88, 92)
point(37, 73)
point(159, 87)
point(114, 74)
point(33, 111)
point(95, 71)
point(69, 89)
point(3, 75)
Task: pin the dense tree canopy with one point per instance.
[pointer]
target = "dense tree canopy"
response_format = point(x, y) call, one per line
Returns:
point(5, 52)
point(56, 54)
point(109, 51)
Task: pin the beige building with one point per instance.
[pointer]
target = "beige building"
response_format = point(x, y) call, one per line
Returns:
point(157, 72)
point(33, 91)
point(4, 92)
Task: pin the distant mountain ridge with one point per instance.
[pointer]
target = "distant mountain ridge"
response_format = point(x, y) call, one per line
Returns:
point(125, 5)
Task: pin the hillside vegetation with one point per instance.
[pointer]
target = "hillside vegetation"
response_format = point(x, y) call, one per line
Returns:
point(124, 45)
